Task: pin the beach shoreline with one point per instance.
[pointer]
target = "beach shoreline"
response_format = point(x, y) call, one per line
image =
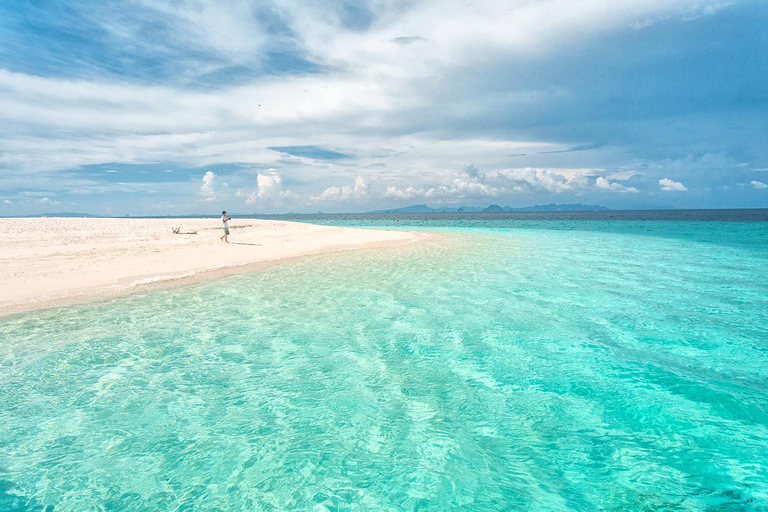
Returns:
point(53, 262)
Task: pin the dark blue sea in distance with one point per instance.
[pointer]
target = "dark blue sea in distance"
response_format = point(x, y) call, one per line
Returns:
point(476, 219)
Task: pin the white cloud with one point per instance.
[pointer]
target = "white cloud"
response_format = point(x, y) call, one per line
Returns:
point(227, 28)
point(530, 180)
point(373, 81)
point(47, 200)
point(208, 186)
point(758, 184)
point(269, 190)
point(461, 188)
point(150, 124)
point(672, 186)
point(604, 184)
point(458, 189)
point(6, 201)
point(369, 97)
point(208, 179)
point(269, 185)
point(345, 193)
point(403, 194)
point(475, 184)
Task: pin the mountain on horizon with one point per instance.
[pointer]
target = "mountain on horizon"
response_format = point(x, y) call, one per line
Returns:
point(423, 208)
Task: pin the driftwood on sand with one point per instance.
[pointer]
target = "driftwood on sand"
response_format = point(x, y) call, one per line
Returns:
point(178, 231)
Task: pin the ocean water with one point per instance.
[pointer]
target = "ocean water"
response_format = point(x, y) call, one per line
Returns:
point(536, 364)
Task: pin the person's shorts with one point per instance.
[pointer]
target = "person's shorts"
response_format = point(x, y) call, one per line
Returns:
point(226, 231)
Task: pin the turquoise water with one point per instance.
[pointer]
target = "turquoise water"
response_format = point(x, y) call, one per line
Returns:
point(499, 366)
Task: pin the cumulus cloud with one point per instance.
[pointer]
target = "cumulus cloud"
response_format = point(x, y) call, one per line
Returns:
point(457, 189)
point(604, 184)
point(758, 184)
point(6, 201)
point(207, 189)
point(208, 181)
point(672, 186)
point(530, 180)
point(466, 188)
point(357, 191)
point(475, 183)
point(269, 185)
point(404, 194)
point(269, 189)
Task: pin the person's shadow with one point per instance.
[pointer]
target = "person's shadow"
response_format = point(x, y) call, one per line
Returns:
point(243, 243)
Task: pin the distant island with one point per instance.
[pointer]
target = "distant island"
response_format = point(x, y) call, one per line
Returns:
point(423, 208)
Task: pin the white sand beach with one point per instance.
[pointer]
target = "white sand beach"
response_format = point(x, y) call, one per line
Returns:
point(50, 261)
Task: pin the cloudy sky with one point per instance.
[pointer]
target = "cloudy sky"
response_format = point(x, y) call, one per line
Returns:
point(179, 106)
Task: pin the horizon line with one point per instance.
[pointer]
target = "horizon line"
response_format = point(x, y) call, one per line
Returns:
point(378, 212)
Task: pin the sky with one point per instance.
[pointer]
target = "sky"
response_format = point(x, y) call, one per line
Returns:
point(168, 107)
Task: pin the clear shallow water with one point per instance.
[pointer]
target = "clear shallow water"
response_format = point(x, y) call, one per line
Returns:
point(565, 366)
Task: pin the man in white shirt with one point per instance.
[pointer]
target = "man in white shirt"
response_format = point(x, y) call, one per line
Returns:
point(225, 224)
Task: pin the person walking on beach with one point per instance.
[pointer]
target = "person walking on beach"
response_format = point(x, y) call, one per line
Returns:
point(225, 224)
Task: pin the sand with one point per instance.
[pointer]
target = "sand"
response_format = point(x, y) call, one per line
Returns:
point(46, 262)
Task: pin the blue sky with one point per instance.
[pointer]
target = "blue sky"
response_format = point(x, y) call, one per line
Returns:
point(172, 107)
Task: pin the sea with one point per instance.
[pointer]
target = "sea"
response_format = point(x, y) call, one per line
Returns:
point(510, 361)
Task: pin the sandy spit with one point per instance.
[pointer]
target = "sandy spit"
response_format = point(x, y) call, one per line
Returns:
point(46, 262)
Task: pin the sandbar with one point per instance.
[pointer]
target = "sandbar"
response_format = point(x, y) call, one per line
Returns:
point(46, 262)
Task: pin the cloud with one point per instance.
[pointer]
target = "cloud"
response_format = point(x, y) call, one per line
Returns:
point(357, 191)
point(469, 183)
point(475, 183)
point(7, 201)
point(269, 190)
point(208, 187)
point(208, 181)
point(604, 184)
point(404, 194)
point(671, 186)
point(269, 184)
point(384, 92)
point(458, 189)
point(47, 200)
point(473, 172)
point(321, 90)
point(188, 33)
point(530, 180)
point(758, 184)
